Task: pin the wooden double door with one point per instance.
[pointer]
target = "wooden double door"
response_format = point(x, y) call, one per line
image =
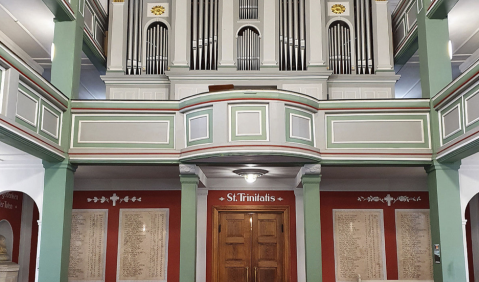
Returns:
point(251, 246)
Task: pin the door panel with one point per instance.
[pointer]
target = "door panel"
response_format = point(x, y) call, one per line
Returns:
point(268, 246)
point(251, 247)
point(234, 247)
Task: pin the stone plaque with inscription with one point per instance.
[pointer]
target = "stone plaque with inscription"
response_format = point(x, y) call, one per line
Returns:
point(413, 236)
point(142, 245)
point(88, 246)
point(359, 244)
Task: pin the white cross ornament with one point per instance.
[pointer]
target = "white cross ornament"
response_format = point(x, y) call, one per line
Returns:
point(114, 198)
point(388, 199)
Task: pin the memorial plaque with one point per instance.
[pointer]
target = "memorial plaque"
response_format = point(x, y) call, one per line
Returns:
point(142, 245)
point(413, 236)
point(359, 244)
point(88, 246)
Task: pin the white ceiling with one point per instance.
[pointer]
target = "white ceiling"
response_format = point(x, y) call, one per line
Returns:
point(9, 153)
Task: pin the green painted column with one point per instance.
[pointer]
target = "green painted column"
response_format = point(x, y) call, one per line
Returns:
point(446, 221)
point(68, 42)
point(312, 227)
point(435, 64)
point(56, 222)
point(189, 186)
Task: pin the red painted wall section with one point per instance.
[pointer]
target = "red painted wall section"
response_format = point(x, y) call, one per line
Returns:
point(33, 246)
point(11, 210)
point(149, 199)
point(349, 200)
point(470, 258)
point(288, 199)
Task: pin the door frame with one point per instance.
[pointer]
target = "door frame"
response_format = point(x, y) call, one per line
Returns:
point(250, 208)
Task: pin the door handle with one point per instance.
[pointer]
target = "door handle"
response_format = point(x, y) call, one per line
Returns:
point(247, 274)
point(255, 270)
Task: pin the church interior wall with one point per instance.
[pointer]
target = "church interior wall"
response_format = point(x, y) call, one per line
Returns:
point(149, 199)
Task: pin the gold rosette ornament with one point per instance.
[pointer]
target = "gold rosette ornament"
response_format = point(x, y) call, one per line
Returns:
point(338, 9)
point(158, 10)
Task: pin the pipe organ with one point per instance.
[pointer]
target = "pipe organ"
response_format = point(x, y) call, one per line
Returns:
point(339, 37)
point(134, 38)
point(248, 9)
point(204, 35)
point(364, 37)
point(157, 48)
point(248, 49)
point(292, 35)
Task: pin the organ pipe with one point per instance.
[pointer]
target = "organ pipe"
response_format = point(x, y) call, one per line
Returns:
point(248, 9)
point(134, 38)
point(292, 35)
point(157, 48)
point(248, 49)
point(339, 48)
point(204, 35)
point(364, 40)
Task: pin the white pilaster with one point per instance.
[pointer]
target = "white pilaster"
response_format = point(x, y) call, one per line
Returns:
point(180, 27)
point(116, 49)
point(201, 221)
point(474, 221)
point(25, 238)
point(315, 27)
point(464, 222)
point(269, 33)
point(301, 257)
point(38, 248)
point(227, 34)
point(383, 35)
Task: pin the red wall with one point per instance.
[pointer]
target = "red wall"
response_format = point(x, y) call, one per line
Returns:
point(149, 199)
point(349, 200)
point(289, 200)
point(11, 210)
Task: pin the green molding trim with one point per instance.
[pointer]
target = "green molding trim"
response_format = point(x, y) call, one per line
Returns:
point(456, 87)
point(474, 123)
point(79, 118)
point(189, 187)
point(250, 96)
point(34, 96)
point(61, 9)
point(383, 104)
point(110, 105)
point(47, 107)
point(374, 162)
point(288, 123)
point(370, 145)
point(46, 89)
point(94, 52)
point(442, 112)
point(195, 114)
point(263, 110)
point(15, 139)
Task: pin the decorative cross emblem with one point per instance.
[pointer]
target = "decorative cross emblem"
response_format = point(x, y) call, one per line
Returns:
point(389, 199)
point(114, 198)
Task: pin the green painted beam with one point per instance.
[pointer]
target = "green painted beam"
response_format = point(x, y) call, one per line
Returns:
point(312, 227)
point(93, 52)
point(440, 9)
point(407, 51)
point(66, 64)
point(446, 221)
point(60, 9)
point(56, 222)
point(189, 186)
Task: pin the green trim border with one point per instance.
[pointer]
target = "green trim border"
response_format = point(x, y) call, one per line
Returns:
point(289, 138)
point(263, 109)
point(194, 114)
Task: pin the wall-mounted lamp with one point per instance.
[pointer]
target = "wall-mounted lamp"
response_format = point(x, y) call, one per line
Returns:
point(250, 174)
point(449, 47)
point(52, 52)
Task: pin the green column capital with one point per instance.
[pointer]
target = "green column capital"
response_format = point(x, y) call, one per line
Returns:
point(60, 165)
point(442, 166)
point(189, 179)
point(311, 179)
